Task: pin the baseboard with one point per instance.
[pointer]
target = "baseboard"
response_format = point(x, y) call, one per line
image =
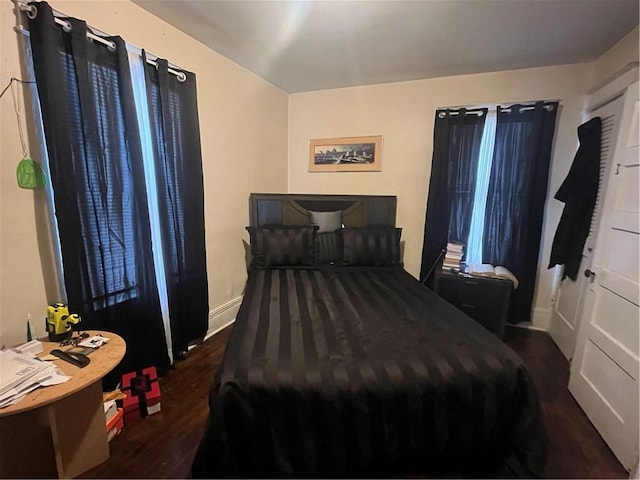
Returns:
point(541, 319)
point(526, 326)
point(223, 316)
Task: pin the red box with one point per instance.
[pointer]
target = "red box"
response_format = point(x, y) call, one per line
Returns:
point(143, 394)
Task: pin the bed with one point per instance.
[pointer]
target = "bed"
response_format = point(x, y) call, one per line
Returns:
point(351, 367)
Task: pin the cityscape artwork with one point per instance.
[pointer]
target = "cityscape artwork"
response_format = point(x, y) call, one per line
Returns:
point(356, 154)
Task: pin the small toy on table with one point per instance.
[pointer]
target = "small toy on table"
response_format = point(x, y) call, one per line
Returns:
point(58, 322)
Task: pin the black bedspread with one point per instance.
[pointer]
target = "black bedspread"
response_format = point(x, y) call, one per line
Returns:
point(365, 372)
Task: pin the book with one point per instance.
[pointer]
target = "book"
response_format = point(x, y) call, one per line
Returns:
point(455, 247)
point(115, 419)
point(446, 266)
point(110, 410)
point(115, 425)
point(453, 255)
point(488, 270)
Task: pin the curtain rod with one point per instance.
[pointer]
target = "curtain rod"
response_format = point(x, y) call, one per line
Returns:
point(457, 112)
point(548, 108)
point(475, 109)
point(32, 11)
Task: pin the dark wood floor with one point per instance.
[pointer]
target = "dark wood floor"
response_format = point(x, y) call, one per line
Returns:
point(163, 445)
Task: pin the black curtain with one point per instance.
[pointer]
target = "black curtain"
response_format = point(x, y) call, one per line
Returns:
point(516, 197)
point(178, 164)
point(97, 175)
point(456, 146)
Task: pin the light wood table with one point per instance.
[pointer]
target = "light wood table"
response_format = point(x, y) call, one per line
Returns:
point(59, 431)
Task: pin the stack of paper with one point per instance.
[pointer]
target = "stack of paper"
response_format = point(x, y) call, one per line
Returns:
point(21, 374)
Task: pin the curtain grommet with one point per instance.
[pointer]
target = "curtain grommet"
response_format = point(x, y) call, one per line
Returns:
point(182, 77)
point(31, 11)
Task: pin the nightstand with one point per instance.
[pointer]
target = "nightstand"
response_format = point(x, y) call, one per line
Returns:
point(484, 299)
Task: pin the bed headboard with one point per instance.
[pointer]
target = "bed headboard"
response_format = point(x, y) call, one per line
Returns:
point(293, 209)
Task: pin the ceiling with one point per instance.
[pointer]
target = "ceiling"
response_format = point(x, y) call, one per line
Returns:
point(314, 45)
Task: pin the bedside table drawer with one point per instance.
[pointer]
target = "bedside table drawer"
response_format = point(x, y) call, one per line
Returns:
point(494, 292)
point(471, 292)
point(486, 300)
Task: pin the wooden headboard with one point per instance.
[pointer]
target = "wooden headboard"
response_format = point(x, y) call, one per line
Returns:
point(293, 209)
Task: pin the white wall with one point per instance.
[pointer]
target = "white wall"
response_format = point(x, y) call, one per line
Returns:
point(403, 113)
point(243, 125)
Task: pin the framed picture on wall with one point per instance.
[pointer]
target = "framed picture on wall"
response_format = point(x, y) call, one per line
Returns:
point(346, 154)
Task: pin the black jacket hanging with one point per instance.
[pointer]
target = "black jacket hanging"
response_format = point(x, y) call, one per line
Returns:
point(578, 192)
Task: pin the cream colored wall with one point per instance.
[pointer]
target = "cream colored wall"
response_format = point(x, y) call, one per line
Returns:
point(622, 55)
point(403, 113)
point(243, 125)
point(244, 144)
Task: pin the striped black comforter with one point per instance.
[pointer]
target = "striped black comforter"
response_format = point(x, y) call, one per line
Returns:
point(364, 371)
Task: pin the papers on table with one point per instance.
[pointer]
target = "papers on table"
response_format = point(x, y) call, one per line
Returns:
point(16, 368)
point(94, 342)
point(21, 374)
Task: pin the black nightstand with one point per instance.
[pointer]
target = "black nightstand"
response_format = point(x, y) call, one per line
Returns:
point(484, 299)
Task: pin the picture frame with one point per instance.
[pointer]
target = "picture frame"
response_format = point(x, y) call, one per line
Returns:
point(346, 154)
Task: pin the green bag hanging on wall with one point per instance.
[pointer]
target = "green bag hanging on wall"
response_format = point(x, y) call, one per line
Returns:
point(30, 174)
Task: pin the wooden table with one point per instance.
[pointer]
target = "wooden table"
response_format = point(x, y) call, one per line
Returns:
point(59, 431)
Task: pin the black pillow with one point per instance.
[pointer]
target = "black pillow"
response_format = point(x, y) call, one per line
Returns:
point(282, 245)
point(375, 246)
point(329, 247)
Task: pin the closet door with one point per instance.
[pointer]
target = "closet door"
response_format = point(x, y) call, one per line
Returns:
point(569, 298)
point(605, 369)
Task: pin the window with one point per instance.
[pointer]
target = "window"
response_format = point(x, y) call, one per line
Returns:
point(108, 178)
point(487, 189)
point(476, 233)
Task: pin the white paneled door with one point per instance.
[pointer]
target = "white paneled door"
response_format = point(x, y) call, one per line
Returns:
point(568, 305)
point(604, 371)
